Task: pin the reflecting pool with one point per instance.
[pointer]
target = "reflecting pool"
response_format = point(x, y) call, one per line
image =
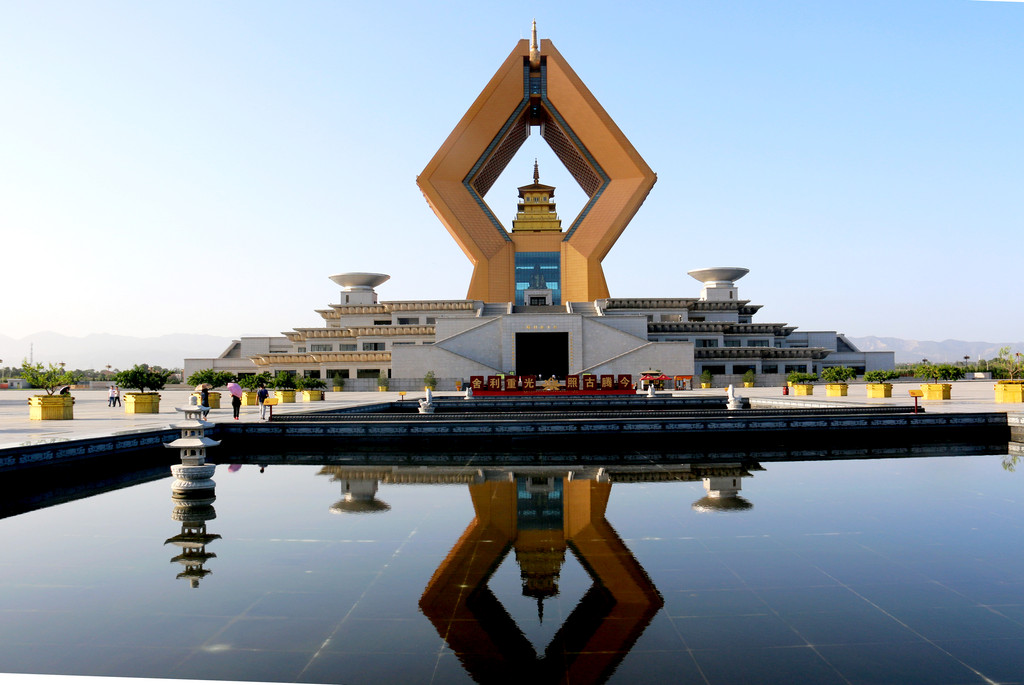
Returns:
point(867, 571)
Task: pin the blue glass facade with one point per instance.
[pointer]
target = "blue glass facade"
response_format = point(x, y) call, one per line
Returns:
point(538, 270)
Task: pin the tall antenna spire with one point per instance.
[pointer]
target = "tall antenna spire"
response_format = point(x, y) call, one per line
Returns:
point(534, 47)
point(536, 172)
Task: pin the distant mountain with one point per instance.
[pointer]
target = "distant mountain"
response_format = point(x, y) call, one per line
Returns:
point(120, 351)
point(946, 351)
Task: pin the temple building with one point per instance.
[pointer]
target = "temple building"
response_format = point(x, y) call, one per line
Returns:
point(538, 304)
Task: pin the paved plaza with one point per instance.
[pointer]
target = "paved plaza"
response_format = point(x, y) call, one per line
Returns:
point(93, 418)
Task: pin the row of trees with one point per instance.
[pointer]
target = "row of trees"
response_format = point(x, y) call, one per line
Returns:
point(282, 381)
point(1007, 364)
point(54, 376)
point(843, 374)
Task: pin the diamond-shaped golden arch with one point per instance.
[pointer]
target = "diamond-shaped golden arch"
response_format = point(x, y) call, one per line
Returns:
point(547, 94)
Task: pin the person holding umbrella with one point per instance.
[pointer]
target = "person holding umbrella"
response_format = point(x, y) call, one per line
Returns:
point(236, 398)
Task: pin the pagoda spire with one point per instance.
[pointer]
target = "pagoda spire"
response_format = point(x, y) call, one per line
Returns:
point(536, 171)
point(534, 48)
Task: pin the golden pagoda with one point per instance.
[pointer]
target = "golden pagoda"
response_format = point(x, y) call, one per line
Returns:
point(536, 207)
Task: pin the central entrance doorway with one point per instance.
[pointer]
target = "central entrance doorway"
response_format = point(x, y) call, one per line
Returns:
point(542, 354)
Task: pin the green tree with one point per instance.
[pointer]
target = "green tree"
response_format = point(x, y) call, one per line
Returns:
point(430, 380)
point(142, 377)
point(879, 376)
point(252, 381)
point(838, 374)
point(383, 381)
point(309, 383)
point(216, 379)
point(937, 372)
point(284, 380)
point(799, 377)
point(1012, 363)
point(49, 378)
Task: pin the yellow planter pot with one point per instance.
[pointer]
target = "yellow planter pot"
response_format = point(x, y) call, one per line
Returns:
point(141, 403)
point(381, 388)
point(836, 389)
point(879, 390)
point(51, 407)
point(1009, 392)
point(214, 399)
point(312, 395)
point(803, 389)
point(747, 385)
point(285, 396)
point(249, 399)
point(936, 391)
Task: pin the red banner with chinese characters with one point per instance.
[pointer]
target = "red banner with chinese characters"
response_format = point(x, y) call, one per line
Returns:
point(588, 384)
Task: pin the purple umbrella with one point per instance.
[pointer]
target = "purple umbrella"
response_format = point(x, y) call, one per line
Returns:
point(235, 389)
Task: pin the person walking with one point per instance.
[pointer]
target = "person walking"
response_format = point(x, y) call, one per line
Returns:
point(236, 405)
point(204, 401)
point(110, 397)
point(117, 396)
point(261, 396)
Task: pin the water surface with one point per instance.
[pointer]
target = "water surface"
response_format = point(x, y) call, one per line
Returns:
point(873, 571)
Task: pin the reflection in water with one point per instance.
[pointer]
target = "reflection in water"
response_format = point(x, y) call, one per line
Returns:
point(193, 496)
point(724, 492)
point(540, 513)
point(193, 538)
point(358, 496)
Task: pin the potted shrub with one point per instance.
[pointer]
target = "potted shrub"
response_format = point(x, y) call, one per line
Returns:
point(312, 389)
point(836, 378)
point(141, 377)
point(338, 383)
point(878, 385)
point(802, 382)
point(430, 380)
point(945, 372)
point(705, 378)
point(383, 382)
point(215, 379)
point(1011, 389)
point(748, 378)
point(284, 387)
point(49, 407)
point(251, 382)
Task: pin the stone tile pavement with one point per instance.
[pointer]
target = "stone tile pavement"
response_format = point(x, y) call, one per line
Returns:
point(94, 418)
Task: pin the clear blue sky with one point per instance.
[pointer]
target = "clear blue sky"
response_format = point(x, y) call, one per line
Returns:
point(863, 158)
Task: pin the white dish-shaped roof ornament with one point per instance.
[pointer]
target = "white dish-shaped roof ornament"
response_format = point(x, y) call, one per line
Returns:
point(719, 274)
point(359, 280)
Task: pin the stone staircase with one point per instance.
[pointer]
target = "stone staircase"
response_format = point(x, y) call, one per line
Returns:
point(496, 308)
